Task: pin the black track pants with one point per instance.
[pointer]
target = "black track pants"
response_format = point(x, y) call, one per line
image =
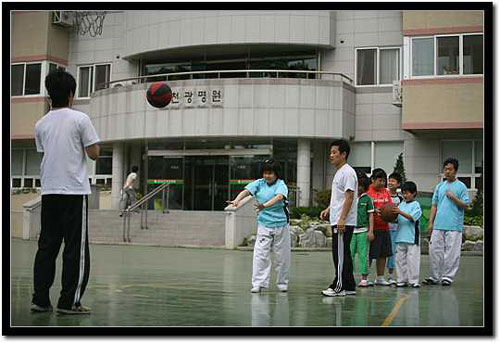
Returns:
point(64, 218)
point(342, 260)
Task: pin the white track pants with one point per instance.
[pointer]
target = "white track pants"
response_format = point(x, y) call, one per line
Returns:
point(408, 262)
point(444, 254)
point(269, 240)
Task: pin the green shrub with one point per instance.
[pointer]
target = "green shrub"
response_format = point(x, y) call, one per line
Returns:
point(474, 215)
point(323, 198)
point(311, 212)
point(473, 220)
point(245, 242)
point(476, 208)
point(306, 220)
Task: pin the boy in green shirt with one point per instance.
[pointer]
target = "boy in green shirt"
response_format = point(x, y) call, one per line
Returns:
point(363, 233)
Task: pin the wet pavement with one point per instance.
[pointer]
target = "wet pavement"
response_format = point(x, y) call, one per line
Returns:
point(158, 286)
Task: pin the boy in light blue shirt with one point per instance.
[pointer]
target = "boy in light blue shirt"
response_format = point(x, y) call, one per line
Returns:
point(407, 238)
point(273, 231)
point(449, 201)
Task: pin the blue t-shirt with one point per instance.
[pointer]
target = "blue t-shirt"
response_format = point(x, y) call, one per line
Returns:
point(408, 230)
point(449, 217)
point(276, 215)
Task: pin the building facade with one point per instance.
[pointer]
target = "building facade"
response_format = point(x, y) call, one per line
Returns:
point(250, 85)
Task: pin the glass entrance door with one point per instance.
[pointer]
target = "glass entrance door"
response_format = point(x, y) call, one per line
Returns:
point(171, 169)
point(206, 181)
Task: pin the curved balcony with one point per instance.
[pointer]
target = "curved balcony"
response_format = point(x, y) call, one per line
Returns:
point(322, 107)
point(145, 30)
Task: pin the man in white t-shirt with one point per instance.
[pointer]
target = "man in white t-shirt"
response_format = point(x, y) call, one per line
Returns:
point(128, 192)
point(65, 137)
point(343, 216)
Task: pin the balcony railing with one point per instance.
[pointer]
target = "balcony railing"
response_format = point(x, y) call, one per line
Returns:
point(323, 75)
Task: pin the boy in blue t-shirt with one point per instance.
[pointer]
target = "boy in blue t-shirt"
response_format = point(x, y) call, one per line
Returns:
point(273, 231)
point(407, 238)
point(446, 221)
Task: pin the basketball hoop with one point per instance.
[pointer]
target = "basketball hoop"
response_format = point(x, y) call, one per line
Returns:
point(89, 22)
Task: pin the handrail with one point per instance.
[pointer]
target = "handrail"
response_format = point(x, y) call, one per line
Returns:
point(148, 196)
point(127, 212)
point(247, 71)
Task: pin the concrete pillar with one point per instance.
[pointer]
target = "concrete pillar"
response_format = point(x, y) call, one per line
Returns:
point(304, 171)
point(117, 175)
point(135, 155)
point(318, 172)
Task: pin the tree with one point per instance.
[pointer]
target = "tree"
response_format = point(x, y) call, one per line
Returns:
point(400, 167)
point(477, 204)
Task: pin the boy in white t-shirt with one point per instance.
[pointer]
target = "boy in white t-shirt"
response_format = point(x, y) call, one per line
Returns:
point(65, 137)
point(394, 182)
point(343, 217)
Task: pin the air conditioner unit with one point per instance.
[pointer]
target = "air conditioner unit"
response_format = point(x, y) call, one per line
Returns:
point(397, 94)
point(62, 18)
point(118, 84)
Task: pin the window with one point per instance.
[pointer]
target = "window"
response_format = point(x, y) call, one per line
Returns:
point(92, 78)
point(470, 160)
point(302, 60)
point(365, 156)
point(389, 66)
point(104, 162)
point(460, 54)
point(17, 161)
point(478, 157)
point(25, 167)
point(367, 67)
point(54, 66)
point(473, 54)
point(423, 56)
point(101, 170)
point(386, 155)
point(377, 66)
point(17, 73)
point(360, 157)
point(165, 68)
point(448, 55)
point(85, 76)
point(33, 161)
point(102, 75)
point(33, 78)
point(26, 79)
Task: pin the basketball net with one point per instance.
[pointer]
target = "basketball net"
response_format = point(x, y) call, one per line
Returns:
point(89, 22)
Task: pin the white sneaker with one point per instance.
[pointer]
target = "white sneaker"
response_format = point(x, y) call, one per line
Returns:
point(282, 288)
point(381, 282)
point(256, 289)
point(363, 283)
point(331, 293)
point(391, 281)
point(350, 292)
point(401, 284)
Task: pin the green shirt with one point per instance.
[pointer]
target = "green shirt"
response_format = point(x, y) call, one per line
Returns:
point(365, 206)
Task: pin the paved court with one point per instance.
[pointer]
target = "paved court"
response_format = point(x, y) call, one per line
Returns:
point(156, 286)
